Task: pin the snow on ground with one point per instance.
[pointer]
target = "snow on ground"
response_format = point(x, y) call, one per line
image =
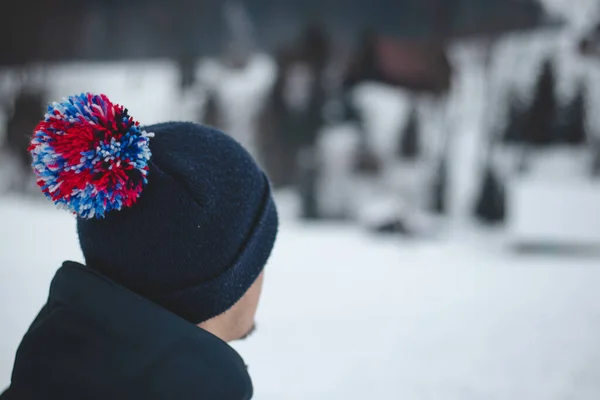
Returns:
point(349, 316)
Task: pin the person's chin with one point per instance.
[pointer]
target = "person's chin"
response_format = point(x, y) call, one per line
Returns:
point(246, 333)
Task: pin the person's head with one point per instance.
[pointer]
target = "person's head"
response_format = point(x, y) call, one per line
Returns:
point(176, 212)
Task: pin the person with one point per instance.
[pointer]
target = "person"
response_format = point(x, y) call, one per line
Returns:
point(294, 114)
point(176, 223)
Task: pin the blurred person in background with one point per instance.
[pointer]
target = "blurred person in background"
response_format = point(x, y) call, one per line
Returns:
point(295, 113)
point(176, 223)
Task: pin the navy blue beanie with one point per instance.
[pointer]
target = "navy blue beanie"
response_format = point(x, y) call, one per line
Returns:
point(201, 230)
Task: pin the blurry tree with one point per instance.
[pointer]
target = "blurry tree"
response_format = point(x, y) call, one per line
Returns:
point(491, 203)
point(541, 117)
point(574, 117)
point(516, 124)
point(27, 111)
point(306, 121)
point(143, 29)
point(409, 147)
point(440, 188)
point(273, 122)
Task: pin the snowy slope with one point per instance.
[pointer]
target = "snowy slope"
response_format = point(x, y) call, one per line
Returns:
point(348, 316)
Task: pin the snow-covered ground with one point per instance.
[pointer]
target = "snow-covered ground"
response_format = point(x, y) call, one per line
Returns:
point(349, 316)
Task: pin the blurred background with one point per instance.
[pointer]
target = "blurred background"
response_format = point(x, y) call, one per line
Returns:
point(436, 164)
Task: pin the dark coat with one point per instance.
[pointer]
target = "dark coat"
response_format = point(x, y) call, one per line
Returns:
point(94, 339)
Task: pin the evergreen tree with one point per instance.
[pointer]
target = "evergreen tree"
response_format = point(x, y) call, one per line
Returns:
point(409, 147)
point(515, 128)
point(539, 127)
point(574, 120)
point(366, 161)
point(491, 204)
point(440, 188)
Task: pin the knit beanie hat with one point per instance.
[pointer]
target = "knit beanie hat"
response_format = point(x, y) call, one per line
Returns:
point(177, 212)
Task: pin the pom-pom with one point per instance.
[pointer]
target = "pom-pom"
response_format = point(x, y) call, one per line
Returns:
point(90, 156)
